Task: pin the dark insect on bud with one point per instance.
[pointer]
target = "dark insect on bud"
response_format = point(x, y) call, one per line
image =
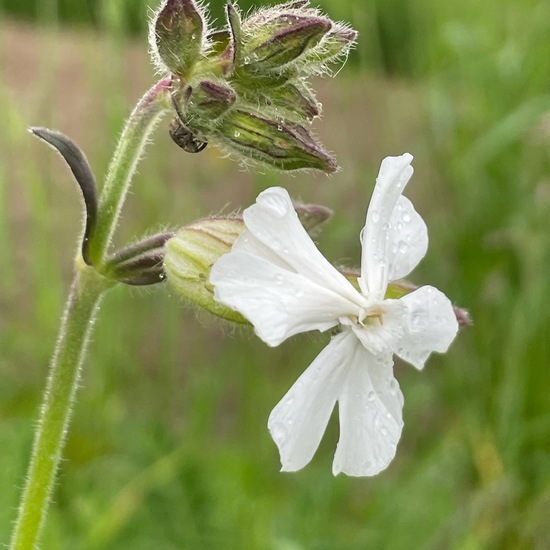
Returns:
point(182, 135)
point(185, 138)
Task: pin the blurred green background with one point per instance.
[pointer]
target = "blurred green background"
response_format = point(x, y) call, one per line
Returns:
point(169, 447)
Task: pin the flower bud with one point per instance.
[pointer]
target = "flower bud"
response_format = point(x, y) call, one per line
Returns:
point(191, 253)
point(178, 35)
point(290, 101)
point(140, 263)
point(283, 145)
point(336, 44)
point(281, 39)
point(312, 216)
point(244, 87)
point(207, 101)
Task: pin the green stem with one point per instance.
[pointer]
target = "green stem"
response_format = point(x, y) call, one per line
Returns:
point(86, 291)
point(123, 166)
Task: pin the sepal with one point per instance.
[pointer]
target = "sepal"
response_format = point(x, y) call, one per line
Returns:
point(83, 175)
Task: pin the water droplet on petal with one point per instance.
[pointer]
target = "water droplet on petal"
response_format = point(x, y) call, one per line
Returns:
point(383, 432)
point(366, 465)
point(406, 217)
point(279, 433)
point(375, 216)
point(403, 247)
point(275, 205)
point(371, 396)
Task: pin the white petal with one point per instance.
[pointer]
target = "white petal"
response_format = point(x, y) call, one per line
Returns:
point(370, 409)
point(430, 325)
point(299, 420)
point(407, 239)
point(381, 335)
point(279, 303)
point(394, 174)
point(275, 224)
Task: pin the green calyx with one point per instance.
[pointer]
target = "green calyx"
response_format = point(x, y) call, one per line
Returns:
point(192, 251)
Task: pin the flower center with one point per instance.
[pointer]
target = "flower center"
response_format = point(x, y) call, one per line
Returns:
point(373, 314)
point(369, 316)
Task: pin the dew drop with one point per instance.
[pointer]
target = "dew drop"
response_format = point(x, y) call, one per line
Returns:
point(393, 388)
point(276, 206)
point(375, 216)
point(237, 134)
point(279, 433)
point(383, 432)
point(403, 247)
point(406, 217)
point(289, 401)
point(371, 396)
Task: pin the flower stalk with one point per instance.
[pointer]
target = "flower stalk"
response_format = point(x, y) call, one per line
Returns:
point(141, 123)
point(76, 326)
point(92, 278)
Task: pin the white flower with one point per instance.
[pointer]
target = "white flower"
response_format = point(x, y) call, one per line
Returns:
point(277, 278)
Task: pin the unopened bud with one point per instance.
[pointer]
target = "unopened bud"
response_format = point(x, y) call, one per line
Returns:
point(312, 215)
point(296, 102)
point(139, 264)
point(282, 145)
point(190, 255)
point(336, 44)
point(178, 35)
point(281, 40)
point(207, 101)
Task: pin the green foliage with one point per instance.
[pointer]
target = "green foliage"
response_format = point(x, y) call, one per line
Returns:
point(169, 448)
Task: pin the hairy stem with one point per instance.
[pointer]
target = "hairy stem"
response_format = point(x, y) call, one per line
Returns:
point(76, 326)
point(123, 166)
point(78, 320)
